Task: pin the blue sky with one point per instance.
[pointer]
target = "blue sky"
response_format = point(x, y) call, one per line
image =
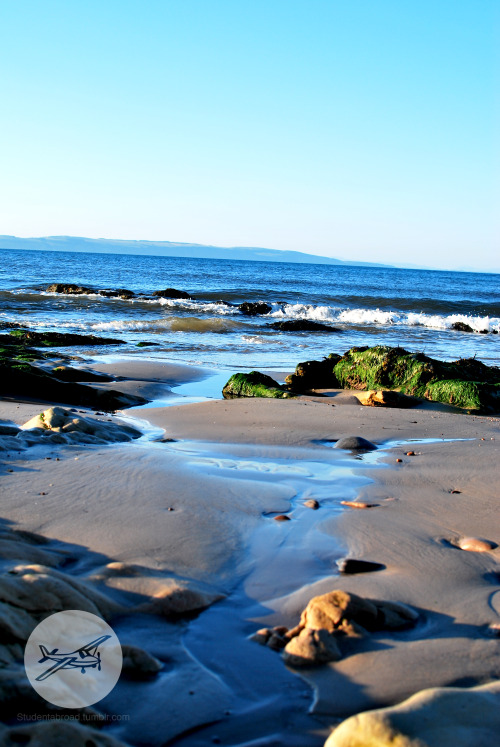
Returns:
point(358, 129)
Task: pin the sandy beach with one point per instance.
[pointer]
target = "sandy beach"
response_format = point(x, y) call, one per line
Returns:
point(173, 537)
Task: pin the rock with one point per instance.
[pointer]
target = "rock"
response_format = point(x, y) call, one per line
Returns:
point(59, 339)
point(303, 325)
point(355, 443)
point(437, 717)
point(171, 293)
point(310, 648)
point(59, 420)
point(359, 504)
point(353, 565)
point(476, 544)
point(461, 327)
point(139, 663)
point(281, 517)
point(311, 503)
point(314, 375)
point(465, 383)
point(70, 289)
point(254, 384)
point(122, 293)
point(385, 398)
point(256, 308)
point(67, 373)
point(262, 636)
point(328, 610)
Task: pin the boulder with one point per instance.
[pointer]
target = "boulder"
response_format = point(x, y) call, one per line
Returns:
point(355, 443)
point(69, 289)
point(256, 308)
point(314, 375)
point(303, 325)
point(171, 293)
point(385, 398)
point(310, 648)
point(253, 384)
point(437, 717)
point(461, 327)
point(122, 293)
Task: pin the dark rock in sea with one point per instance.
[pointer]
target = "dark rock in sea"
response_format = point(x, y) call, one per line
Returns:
point(256, 308)
point(70, 289)
point(355, 443)
point(314, 375)
point(303, 325)
point(171, 293)
point(353, 565)
point(147, 344)
point(123, 293)
point(461, 327)
point(253, 384)
point(58, 339)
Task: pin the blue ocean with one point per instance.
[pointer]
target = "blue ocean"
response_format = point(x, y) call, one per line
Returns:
point(415, 309)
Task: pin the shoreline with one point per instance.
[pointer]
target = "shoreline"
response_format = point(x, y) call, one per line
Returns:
point(212, 475)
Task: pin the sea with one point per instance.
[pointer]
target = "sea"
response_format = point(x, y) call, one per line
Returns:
point(410, 308)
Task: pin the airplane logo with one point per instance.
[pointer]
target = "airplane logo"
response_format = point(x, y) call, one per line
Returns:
point(85, 657)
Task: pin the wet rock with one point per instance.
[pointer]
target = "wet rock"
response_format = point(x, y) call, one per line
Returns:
point(59, 420)
point(59, 339)
point(385, 398)
point(353, 565)
point(314, 375)
point(254, 384)
point(437, 717)
point(311, 503)
point(67, 373)
point(461, 327)
point(249, 308)
point(281, 517)
point(476, 544)
point(122, 293)
point(310, 648)
point(171, 293)
point(69, 289)
point(355, 443)
point(303, 325)
point(139, 663)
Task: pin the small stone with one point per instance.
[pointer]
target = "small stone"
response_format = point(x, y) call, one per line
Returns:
point(262, 636)
point(355, 443)
point(455, 492)
point(359, 504)
point(410, 453)
point(399, 460)
point(353, 565)
point(311, 503)
point(476, 544)
point(281, 517)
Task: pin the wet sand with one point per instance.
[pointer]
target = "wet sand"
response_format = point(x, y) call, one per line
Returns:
point(232, 466)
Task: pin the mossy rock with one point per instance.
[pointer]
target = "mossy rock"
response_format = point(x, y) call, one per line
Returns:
point(465, 383)
point(254, 384)
point(314, 375)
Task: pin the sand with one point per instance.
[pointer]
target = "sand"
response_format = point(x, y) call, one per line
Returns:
point(197, 512)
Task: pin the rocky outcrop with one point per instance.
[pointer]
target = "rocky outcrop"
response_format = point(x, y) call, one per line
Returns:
point(56, 339)
point(465, 383)
point(437, 717)
point(69, 289)
point(327, 620)
point(303, 325)
point(254, 384)
point(256, 308)
point(461, 327)
point(314, 375)
point(171, 293)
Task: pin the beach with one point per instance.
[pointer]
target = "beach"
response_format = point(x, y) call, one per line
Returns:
point(175, 532)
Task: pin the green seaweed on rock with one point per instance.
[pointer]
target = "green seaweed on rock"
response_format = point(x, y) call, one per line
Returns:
point(254, 384)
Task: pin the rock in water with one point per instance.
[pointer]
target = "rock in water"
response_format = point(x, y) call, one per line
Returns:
point(171, 293)
point(355, 443)
point(254, 384)
point(303, 325)
point(437, 717)
point(254, 309)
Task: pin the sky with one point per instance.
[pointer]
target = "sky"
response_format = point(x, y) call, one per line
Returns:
point(359, 129)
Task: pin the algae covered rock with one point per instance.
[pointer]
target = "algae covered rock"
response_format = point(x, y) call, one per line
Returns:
point(253, 384)
point(314, 375)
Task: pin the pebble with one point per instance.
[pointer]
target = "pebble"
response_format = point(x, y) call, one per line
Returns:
point(359, 504)
point(399, 460)
point(353, 565)
point(410, 453)
point(311, 503)
point(476, 544)
point(281, 517)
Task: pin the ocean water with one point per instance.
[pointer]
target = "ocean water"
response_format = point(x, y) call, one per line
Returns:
point(414, 309)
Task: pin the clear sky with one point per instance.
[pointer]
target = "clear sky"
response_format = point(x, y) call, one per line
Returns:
point(358, 129)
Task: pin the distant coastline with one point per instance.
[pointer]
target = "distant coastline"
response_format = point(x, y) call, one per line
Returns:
point(171, 249)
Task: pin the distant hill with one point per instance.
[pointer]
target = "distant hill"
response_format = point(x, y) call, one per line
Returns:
point(169, 249)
